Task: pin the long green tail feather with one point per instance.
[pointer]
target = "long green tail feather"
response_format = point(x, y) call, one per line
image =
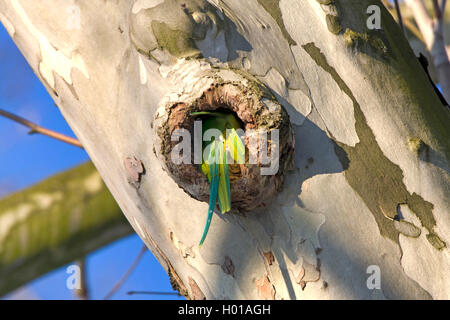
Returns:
point(217, 171)
point(235, 146)
point(227, 179)
point(214, 186)
point(224, 181)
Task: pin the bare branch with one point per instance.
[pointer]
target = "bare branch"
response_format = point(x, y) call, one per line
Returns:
point(437, 9)
point(443, 3)
point(412, 27)
point(433, 33)
point(423, 20)
point(38, 129)
point(127, 274)
point(399, 15)
point(406, 21)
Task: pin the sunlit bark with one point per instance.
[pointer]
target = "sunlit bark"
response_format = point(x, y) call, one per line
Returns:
point(370, 183)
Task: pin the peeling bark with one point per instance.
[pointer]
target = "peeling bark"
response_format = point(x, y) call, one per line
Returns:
point(357, 195)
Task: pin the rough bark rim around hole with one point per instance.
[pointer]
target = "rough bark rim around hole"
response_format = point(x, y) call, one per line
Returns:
point(257, 109)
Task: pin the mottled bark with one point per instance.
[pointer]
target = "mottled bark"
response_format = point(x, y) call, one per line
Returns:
point(370, 181)
point(55, 222)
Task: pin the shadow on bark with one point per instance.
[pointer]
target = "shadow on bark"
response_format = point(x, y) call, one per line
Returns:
point(316, 154)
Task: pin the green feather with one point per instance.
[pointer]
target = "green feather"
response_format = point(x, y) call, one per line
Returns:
point(216, 166)
point(224, 181)
point(214, 184)
point(235, 146)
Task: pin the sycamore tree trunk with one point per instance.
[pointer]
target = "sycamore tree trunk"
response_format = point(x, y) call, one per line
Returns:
point(364, 209)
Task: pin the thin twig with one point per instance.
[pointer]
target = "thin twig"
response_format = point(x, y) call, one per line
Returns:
point(406, 22)
point(423, 20)
point(433, 33)
point(399, 15)
point(443, 3)
point(155, 293)
point(437, 9)
point(83, 292)
point(127, 274)
point(414, 30)
point(38, 129)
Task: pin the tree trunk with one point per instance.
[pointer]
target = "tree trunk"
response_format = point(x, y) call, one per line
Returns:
point(369, 187)
point(54, 223)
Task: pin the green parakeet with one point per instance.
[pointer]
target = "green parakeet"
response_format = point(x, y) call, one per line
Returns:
point(215, 167)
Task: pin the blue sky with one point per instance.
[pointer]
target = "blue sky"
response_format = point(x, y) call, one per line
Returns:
point(26, 159)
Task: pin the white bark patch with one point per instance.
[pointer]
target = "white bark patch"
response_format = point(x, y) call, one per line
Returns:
point(181, 247)
point(405, 213)
point(409, 225)
point(296, 103)
point(308, 252)
point(267, 46)
point(407, 229)
point(219, 283)
point(427, 267)
point(301, 103)
point(284, 266)
point(184, 70)
point(12, 217)
point(226, 238)
point(45, 200)
point(304, 223)
point(290, 234)
point(422, 263)
point(214, 45)
point(185, 79)
point(335, 107)
point(145, 4)
point(53, 60)
point(8, 25)
point(93, 183)
point(139, 228)
point(246, 63)
point(351, 234)
point(142, 71)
